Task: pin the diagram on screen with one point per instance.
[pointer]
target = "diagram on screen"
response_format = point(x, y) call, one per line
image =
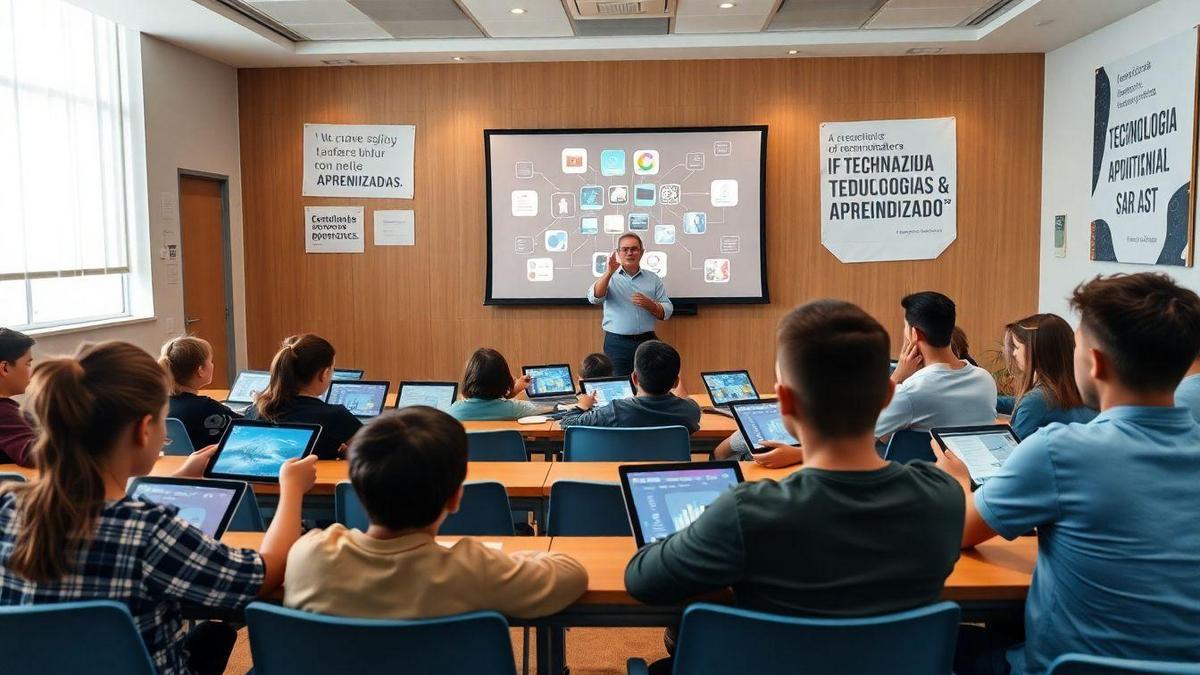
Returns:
point(686, 507)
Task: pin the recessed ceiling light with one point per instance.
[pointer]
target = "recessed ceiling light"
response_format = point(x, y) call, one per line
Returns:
point(793, 52)
point(456, 58)
point(516, 10)
point(727, 5)
point(1045, 22)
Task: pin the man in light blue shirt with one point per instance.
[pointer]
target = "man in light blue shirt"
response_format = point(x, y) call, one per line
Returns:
point(1114, 501)
point(1187, 394)
point(633, 300)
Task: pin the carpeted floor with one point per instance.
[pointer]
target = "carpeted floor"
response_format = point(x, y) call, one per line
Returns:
point(590, 651)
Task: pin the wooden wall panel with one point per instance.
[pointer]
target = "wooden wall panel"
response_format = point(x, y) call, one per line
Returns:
point(402, 312)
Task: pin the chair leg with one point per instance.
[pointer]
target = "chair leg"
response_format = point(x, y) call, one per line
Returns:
point(525, 653)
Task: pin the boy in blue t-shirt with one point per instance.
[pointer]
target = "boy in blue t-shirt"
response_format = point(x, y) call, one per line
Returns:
point(1114, 501)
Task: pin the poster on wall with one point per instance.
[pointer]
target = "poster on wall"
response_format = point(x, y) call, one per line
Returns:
point(359, 160)
point(889, 189)
point(333, 229)
point(1142, 155)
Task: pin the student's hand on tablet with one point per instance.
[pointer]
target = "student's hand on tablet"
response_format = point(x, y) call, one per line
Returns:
point(946, 461)
point(519, 385)
point(779, 455)
point(196, 463)
point(910, 361)
point(585, 401)
point(297, 476)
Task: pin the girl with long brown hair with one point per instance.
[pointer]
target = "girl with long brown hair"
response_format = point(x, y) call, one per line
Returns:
point(72, 534)
point(1039, 352)
point(188, 363)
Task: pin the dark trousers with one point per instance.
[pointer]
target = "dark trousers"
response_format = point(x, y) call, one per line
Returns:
point(620, 348)
point(208, 645)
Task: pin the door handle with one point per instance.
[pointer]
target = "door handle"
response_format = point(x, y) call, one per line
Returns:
point(188, 322)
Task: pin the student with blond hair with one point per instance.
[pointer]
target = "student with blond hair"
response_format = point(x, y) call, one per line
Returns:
point(188, 364)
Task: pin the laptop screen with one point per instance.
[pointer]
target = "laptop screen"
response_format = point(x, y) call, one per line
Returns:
point(362, 399)
point(734, 385)
point(204, 504)
point(552, 380)
point(662, 501)
point(760, 422)
point(258, 450)
point(247, 385)
point(607, 390)
point(438, 395)
point(347, 374)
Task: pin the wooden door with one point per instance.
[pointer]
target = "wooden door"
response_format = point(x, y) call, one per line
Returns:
point(201, 214)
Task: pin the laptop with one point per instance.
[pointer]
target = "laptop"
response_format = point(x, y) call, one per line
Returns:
point(245, 388)
point(760, 421)
point(984, 449)
point(347, 374)
point(725, 387)
point(440, 395)
point(363, 398)
point(608, 389)
point(253, 450)
point(207, 504)
point(550, 384)
point(662, 499)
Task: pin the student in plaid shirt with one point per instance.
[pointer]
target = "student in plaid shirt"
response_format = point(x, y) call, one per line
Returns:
point(74, 535)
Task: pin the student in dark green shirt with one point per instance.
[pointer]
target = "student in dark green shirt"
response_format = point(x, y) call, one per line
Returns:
point(850, 534)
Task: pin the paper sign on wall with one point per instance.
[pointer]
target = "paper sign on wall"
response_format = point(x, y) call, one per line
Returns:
point(333, 229)
point(889, 189)
point(359, 160)
point(395, 228)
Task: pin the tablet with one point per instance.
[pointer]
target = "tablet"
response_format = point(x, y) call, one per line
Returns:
point(347, 374)
point(984, 449)
point(662, 499)
point(363, 398)
point(254, 450)
point(892, 363)
point(727, 386)
point(608, 389)
point(760, 421)
point(549, 380)
point(207, 504)
point(247, 385)
point(440, 395)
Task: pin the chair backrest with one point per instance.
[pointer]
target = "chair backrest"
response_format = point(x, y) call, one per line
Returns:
point(496, 446)
point(916, 641)
point(347, 509)
point(587, 509)
point(11, 477)
point(1084, 664)
point(181, 443)
point(484, 511)
point(287, 641)
point(645, 444)
point(247, 517)
point(93, 636)
point(907, 445)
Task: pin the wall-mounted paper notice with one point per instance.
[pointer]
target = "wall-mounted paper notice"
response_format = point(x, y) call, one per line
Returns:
point(395, 228)
point(333, 229)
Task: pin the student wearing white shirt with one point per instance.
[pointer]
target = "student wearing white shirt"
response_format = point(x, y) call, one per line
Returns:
point(934, 388)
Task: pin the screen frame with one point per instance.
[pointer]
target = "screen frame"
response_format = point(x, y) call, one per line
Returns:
point(489, 299)
point(387, 387)
point(584, 383)
point(210, 470)
point(238, 486)
point(233, 385)
point(359, 373)
point(424, 383)
point(734, 405)
point(976, 430)
point(627, 492)
point(557, 394)
point(712, 401)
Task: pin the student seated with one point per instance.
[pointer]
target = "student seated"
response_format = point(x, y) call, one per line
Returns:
point(960, 346)
point(16, 366)
point(189, 367)
point(1114, 501)
point(934, 388)
point(1187, 394)
point(658, 403)
point(1039, 352)
point(489, 391)
point(300, 375)
point(72, 534)
point(595, 365)
point(888, 533)
point(407, 468)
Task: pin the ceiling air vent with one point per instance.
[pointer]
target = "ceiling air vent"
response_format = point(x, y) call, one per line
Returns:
point(621, 9)
point(990, 13)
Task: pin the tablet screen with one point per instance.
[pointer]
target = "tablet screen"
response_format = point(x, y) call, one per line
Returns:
point(201, 505)
point(984, 452)
point(362, 399)
point(247, 386)
point(440, 396)
point(347, 374)
point(731, 386)
point(664, 502)
point(607, 391)
point(259, 450)
point(761, 422)
point(549, 381)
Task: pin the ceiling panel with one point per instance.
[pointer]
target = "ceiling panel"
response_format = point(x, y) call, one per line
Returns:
point(542, 18)
point(290, 12)
point(419, 18)
point(611, 27)
point(920, 17)
point(824, 14)
point(706, 16)
point(341, 31)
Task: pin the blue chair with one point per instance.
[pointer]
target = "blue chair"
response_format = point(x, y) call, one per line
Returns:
point(1083, 664)
point(917, 641)
point(587, 509)
point(347, 509)
point(93, 636)
point(11, 477)
point(484, 511)
point(496, 446)
point(288, 641)
point(908, 446)
point(645, 444)
point(247, 517)
point(178, 441)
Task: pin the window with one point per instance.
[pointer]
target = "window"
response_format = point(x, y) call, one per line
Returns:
point(65, 224)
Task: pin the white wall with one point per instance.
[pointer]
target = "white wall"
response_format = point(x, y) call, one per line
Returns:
point(189, 107)
point(1067, 145)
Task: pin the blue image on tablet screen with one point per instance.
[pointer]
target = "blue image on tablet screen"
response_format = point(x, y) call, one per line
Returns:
point(668, 501)
point(433, 395)
point(763, 423)
point(549, 381)
point(199, 505)
point(260, 451)
point(362, 400)
point(607, 392)
point(726, 387)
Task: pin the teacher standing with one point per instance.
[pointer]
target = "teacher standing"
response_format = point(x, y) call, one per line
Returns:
point(633, 300)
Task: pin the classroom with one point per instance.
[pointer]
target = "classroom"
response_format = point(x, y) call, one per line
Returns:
point(599, 336)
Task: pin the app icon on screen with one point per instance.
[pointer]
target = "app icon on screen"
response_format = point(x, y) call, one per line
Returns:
point(643, 194)
point(716, 270)
point(694, 161)
point(731, 243)
point(656, 261)
point(524, 244)
point(540, 269)
point(614, 224)
point(591, 197)
point(574, 160)
point(562, 204)
point(556, 240)
point(618, 195)
point(645, 162)
point(524, 203)
point(612, 162)
point(669, 193)
point(639, 221)
point(599, 263)
point(664, 234)
point(589, 225)
point(524, 169)
point(724, 193)
point(695, 222)
point(722, 148)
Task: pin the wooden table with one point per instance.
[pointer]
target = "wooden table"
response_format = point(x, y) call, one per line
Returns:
point(607, 472)
point(253, 540)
